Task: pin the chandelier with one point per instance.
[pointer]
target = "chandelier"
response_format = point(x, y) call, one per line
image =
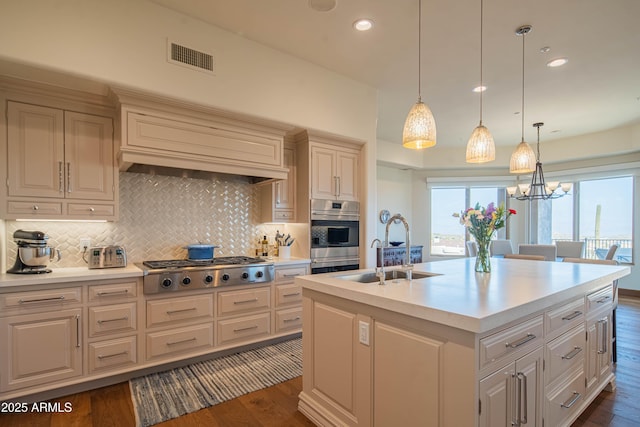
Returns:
point(420, 127)
point(538, 189)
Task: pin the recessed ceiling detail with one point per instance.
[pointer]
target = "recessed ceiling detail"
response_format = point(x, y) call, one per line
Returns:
point(322, 5)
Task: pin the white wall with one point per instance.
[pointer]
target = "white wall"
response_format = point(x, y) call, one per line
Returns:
point(394, 190)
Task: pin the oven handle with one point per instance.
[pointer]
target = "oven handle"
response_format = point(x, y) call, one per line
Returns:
point(323, 216)
point(319, 260)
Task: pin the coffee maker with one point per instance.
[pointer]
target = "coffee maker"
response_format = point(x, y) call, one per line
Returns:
point(33, 254)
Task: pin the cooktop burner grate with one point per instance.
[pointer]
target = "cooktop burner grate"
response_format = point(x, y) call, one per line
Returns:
point(182, 263)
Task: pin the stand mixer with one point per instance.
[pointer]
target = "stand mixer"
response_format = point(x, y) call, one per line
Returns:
point(33, 253)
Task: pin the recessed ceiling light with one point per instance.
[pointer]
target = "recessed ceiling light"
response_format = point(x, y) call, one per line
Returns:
point(479, 89)
point(557, 62)
point(363, 24)
point(545, 49)
point(322, 5)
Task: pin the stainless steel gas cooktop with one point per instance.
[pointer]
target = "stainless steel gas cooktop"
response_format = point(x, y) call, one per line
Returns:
point(186, 274)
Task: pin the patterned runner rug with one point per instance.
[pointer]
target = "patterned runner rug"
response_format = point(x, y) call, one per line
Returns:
point(170, 394)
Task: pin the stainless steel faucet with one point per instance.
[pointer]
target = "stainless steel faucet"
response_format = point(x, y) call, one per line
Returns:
point(407, 267)
point(380, 273)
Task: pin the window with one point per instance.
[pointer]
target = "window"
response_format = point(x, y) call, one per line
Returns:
point(603, 214)
point(448, 237)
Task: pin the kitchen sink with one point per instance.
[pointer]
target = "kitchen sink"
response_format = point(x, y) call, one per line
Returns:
point(370, 277)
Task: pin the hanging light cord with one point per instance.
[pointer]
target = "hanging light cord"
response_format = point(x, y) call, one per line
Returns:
point(481, 87)
point(419, 49)
point(524, 34)
point(538, 145)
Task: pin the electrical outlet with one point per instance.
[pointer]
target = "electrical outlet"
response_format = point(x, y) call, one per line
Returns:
point(364, 332)
point(85, 243)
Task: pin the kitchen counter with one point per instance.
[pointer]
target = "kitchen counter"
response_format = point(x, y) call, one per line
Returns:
point(290, 261)
point(66, 275)
point(458, 296)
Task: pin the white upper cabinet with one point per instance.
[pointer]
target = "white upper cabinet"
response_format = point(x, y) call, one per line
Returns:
point(334, 172)
point(60, 164)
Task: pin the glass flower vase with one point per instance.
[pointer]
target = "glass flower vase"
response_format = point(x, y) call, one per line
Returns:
point(483, 260)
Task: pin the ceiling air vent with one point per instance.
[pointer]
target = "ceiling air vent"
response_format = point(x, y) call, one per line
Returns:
point(182, 55)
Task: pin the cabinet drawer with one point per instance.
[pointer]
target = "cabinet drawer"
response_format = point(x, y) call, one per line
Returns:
point(168, 311)
point(89, 210)
point(502, 344)
point(288, 294)
point(283, 215)
point(564, 352)
point(111, 292)
point(602, 299)
point(112, 319)
point(104, 355)
point(35, 207)
point(288, 319)
point(179, 340)
point(241, 301)
point(243, 328)
point(564, 318)
point(288, 274)
point(564, 400)
point(42, 298)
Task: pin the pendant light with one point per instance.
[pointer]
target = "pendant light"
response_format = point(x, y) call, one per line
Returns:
point(420, 127)
point(481, 148)
point(523, 159)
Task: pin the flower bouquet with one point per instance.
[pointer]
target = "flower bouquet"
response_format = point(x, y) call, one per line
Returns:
point(482, 223)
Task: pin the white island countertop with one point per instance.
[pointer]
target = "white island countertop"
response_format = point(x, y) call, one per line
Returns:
point(10, 281)
point(457, 296)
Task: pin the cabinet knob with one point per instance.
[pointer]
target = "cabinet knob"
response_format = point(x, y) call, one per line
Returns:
point(92, 210)
point(35, 207)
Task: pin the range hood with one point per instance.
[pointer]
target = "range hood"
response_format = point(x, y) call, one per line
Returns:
point(170, 137)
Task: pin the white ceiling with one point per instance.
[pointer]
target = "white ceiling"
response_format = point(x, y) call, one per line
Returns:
point(598, 89)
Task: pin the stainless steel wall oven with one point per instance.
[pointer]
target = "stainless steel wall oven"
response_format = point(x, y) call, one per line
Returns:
point(335, 230)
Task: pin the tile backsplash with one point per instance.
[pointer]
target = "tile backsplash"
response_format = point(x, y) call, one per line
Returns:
point(159, 215)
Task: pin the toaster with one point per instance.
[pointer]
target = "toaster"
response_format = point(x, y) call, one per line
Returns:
point(107, 257)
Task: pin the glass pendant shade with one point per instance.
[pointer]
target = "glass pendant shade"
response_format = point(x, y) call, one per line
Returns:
point(523, 159)
point(419, 128)
point(481, 148)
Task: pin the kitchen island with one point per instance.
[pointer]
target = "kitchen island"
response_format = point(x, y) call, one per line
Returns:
point(526, 344)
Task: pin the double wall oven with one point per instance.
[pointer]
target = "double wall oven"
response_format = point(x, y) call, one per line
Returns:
point(335, 232)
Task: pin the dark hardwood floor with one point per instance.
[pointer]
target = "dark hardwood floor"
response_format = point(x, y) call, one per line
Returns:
point(277, 405)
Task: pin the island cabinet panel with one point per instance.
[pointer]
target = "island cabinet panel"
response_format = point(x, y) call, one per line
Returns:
point(513, 394)
point(399, 366)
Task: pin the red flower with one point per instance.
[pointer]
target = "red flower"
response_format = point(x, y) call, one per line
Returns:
point(512, 211)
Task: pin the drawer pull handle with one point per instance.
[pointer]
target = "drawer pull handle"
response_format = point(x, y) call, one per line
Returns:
point(106, 356)
point(100, 322)
point(572, 315)
point(293, 294)
point(182, 310)
point(246, 329)
point(603, 299)
point(108, 293)
point(27, 301)
point(521, 341)
point(572, 353)
point(291, 275)
point(181, 341)
point(293, 319)
point(569, 403)
point(245, 301)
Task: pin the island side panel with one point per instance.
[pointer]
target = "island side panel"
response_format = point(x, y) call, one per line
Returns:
point(411, 369)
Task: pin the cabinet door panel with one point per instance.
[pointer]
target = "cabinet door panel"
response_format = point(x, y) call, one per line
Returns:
point(408, 365)
point(36, 146)
point(323, 173)
point(44, 347)
point(495, 398)
point(89, 166)
point(347, 166)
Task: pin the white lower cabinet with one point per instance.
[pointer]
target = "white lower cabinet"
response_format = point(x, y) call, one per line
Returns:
point(112, 354)
point(40, 348)
point(512, 395)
